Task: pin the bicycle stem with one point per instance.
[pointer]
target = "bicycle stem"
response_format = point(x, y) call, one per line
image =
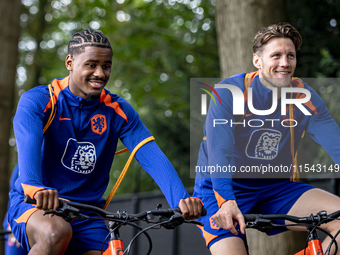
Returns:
point(114, 234)
point(116, 246)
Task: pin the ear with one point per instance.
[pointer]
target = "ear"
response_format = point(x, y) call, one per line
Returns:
point(257, 61)
point(69, 62)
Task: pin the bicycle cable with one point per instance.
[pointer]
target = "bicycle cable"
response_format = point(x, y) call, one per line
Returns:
point(123, 222)
point(108, 235)
point(127, 251)
point(313, 229)
point(133, 225)
point(324, 231)
point(333, 240)
point(330, 235)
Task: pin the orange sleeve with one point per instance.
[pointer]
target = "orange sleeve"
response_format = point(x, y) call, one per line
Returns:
point(220, 200)
point(198, 199)
point(30, 190)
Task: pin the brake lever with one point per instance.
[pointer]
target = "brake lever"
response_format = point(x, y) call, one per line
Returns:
point(260, 224)
point(67, 216)
point(68, 213)
point(58, 213)
point(174, 221)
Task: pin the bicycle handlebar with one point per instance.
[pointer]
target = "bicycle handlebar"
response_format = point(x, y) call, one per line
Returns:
point(76, 207)
point(167, 218)
point(312, 219)
point(264, 223)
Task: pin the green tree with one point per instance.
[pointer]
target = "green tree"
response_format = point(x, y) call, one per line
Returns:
point(157, 47)
point(9, 36)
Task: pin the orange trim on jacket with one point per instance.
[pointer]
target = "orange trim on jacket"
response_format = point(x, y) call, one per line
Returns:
point(248, 80)
point(107, 100)
point(220, 200)
point(25, 216)
point(57, 85)
point(30, 190)
point(207, 236)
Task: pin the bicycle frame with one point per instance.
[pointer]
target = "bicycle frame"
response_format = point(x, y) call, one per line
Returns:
point(314, 248)
point(264, 223)
point(314, 244)
point(116, 246)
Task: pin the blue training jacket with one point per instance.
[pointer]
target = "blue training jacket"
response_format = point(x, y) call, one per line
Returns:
point(257, 140)
point(75, 154)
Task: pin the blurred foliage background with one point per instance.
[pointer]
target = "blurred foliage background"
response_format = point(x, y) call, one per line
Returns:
point(158, 45)
point(318, 22)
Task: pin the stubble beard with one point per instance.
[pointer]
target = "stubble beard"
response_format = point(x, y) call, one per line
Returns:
point(92, 96)
point(276, 82)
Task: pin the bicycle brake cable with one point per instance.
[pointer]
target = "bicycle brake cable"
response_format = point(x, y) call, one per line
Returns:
point(335, 242)
point(330, 235)
point(326, 232)
point(127, 251)
point(133, 225)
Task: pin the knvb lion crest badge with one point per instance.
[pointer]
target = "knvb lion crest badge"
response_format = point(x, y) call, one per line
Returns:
point(98, 124)
point(263, 144)
point(79, 157)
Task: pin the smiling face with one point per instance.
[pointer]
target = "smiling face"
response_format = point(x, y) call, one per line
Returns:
point(276, 62)
point(89, 71)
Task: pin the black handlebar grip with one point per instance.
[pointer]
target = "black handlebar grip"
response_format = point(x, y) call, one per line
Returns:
point(203, 212)
point(29, 200)
point(249, 217)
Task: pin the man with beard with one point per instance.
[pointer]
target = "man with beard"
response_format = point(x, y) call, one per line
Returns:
point(228, 196)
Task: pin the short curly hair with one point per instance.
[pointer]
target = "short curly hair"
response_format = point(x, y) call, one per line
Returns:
point(85, 38)
point(281, 30)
